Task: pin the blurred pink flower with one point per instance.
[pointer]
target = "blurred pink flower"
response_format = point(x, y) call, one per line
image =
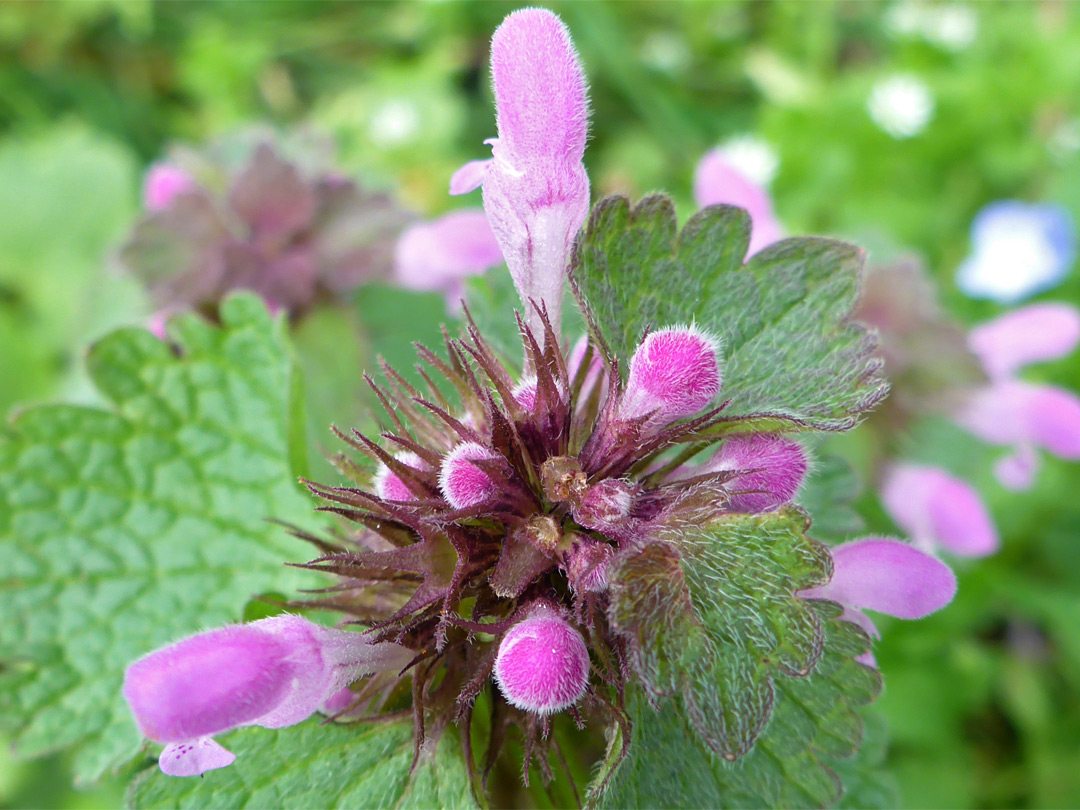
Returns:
point(938, 510)
point(885, 576)
point(716, 181)
point(163, 183)
point(1024, 416)
point(439, 255)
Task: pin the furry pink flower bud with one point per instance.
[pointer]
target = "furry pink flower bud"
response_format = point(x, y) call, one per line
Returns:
point(164, 182)
point(586, 565)
point(464, 484)
point(604, 505)
point(775, 468)
point(271, 673)
point(525, 393)
point(536, 191)
point(542, 664)
point(389, 485)
point(675, 372)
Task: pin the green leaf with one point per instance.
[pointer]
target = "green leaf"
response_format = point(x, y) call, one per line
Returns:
point(319, 766)
point(868, 784)
point(815, 722)
point(792, 358)
point(710, 613)
point(124, 528)
point(828, 496)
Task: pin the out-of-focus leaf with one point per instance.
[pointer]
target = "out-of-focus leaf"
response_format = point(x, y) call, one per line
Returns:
point(124, 527)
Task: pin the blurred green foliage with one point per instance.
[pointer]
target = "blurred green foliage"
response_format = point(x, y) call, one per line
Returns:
point(983, 699)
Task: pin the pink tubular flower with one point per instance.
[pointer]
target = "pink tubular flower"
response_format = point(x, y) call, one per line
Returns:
point(271, 673)
point(675, 372)
point(939, 511)
point(886, 576)
point(441, 254)
point(536, 191)
point(164, 182)
point(464, 484)
point(543, 664)
point(775, 468)
point(1031, 334)
point(716, 181)
point(1023, 415)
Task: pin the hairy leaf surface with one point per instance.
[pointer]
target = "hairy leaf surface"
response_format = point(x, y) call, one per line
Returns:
point(792, 357)
point(814, 723)
point(710, 613)
point(319, 766)
point(124, 528)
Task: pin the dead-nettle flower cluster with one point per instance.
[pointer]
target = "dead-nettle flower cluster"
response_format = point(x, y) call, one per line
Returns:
point(296, 234)
point(489, 529)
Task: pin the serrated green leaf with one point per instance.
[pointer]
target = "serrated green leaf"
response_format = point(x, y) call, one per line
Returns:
point(868, 784)
point(319, 766)
point(815, 722)
point(710, 613)
point(828, 496)
point(122, 529)
point(792, 359)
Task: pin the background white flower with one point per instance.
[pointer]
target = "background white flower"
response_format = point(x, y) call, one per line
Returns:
point(752, 156)
point(901, 105)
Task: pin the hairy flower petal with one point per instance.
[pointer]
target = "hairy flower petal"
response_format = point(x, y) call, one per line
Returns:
point(1011, 412)
point(777, 468)
point(463, 484)
point(536, 191)
point(272, 673)
point(675, 372)
point(194, 758)
point(887, 576)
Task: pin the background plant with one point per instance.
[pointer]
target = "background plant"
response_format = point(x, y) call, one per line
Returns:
point(93, 93)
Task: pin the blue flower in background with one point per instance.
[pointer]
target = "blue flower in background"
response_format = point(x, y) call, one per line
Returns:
point(1018, 249)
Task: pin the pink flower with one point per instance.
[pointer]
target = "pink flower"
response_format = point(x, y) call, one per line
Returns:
point(441, 254)
point(939, 511)
point(543, 664)
point(1031, 334)
point(271, 673)
point(536, 191)
point(462, 482)
point(164, 182)
point(675, 372)
point(885, 576)
point(774, 470)
point(718, 182)
point(1024, 416)
point(388, 484)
